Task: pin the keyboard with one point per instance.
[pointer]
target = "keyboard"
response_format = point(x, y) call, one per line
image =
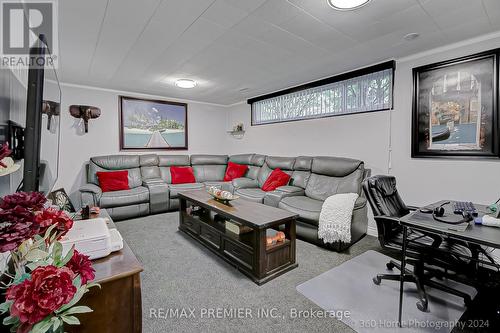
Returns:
point(459, 207)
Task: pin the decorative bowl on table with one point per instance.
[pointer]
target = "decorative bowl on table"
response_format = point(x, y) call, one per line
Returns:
point(223, 196)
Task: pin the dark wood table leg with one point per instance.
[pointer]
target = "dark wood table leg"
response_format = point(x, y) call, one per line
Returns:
point(402, 276)
point(290, 234)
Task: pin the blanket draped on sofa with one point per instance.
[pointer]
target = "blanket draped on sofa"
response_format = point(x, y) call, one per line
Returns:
point(335, 218)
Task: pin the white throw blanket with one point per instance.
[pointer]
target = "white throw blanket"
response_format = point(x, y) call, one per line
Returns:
point(335, 218)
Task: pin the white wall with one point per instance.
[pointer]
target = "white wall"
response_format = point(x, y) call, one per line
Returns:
point(206, 130)
point(366, 137)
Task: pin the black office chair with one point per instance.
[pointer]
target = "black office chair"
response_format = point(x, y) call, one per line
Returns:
point(429, 254)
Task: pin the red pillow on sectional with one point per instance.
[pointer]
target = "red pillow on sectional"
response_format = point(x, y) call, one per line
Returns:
point(276, 179)
point(234, 171)
point(182, 175)
point(113, 180)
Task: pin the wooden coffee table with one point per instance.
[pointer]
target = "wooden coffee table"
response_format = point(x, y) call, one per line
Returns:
point(203, 218)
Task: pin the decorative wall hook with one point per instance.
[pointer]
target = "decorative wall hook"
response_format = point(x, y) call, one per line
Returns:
point(51, 109)
point(85, 112)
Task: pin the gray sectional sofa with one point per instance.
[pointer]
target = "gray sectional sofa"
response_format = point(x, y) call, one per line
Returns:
point(313, 179)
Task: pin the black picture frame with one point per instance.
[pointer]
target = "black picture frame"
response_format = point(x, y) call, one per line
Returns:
point(61, 199)
point(182, 116)
point(446, 102)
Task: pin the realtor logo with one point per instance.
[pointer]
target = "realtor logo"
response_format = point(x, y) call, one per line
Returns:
point(21, 25)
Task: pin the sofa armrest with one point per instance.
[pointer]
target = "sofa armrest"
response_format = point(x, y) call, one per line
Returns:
point(159, 195)
point(90, 195)
point(244, 182)
point(273, 198)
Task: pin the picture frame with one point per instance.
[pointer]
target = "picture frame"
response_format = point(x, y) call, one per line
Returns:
point(455, 108)
point(148, 124)
point(61, 199)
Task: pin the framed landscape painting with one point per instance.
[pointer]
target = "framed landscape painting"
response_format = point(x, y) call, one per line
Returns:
point(455, 108)
point(152, 124)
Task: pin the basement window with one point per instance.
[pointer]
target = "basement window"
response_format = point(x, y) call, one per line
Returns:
point(364, 90)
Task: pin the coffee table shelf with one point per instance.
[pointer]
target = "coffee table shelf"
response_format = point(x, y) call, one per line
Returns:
point(248, 251)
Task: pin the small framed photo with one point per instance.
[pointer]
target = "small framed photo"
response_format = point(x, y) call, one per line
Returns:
point(152, 124)
point(61, 200)
point(455, 108)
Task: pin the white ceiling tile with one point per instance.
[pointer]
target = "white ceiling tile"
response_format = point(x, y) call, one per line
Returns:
point(224, 14)
point(77, 36)
point(318, 33)
point(168, 24)
point(123, 24)
point(265, 46)
point(276, 11)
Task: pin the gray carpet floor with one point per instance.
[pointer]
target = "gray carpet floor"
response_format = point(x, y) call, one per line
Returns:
point(180, 274)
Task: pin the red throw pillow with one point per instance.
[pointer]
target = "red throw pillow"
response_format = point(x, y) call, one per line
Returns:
point(113, 180)
point(182, 175)
point(276, 179)
point(234, 171)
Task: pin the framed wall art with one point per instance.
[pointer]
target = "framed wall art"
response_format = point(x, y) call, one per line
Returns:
point(152, 124)
point(455, 108)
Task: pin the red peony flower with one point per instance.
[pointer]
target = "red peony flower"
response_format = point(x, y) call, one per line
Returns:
point(47, 290)
point(4, 152)
point(16, 226)
point(50, 216)
point(80, 264)
point(29, 200)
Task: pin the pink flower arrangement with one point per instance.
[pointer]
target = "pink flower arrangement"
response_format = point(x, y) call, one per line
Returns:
point(16, 226)
point(30, 200)
point(48, 289)
point(47, 285)
point(50, 216)
point(81, 265)
point(4, 152)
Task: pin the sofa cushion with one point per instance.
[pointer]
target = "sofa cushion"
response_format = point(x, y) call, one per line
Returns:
point(234, 171)
point(133, 196)
point(303, 163)
point(262, 175)
point(300, 178)
point(204, 173)
point(209, 159)
point(113, 180)
point(284, 163)
point(276, 179)
point(252, 194)
point(307, 208)
point(182, 175)
point(176, 188)
point(320, 187)
point(115, 163)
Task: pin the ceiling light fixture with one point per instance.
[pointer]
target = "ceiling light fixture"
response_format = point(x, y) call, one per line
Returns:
point(185, 83)
point(411, 36)
point(347, 4)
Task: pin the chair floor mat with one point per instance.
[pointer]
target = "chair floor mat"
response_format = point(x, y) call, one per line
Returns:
point(348, 291)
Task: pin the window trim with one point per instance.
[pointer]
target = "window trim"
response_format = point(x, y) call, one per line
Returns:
point(336, 78)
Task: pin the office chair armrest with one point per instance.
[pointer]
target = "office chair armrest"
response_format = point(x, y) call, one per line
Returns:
point(385, 219)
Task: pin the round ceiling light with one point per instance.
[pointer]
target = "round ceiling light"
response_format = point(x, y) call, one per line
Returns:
point(185, 83)
point(347, 4)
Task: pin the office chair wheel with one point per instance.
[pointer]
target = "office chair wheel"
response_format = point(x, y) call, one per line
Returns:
point(390, 266)
point(377, 280)
point(422, 305)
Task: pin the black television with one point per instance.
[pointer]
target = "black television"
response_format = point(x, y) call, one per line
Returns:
point(30, 123)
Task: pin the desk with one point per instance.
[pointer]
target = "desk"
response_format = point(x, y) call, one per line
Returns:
point(477, 234)
point(117, 305)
